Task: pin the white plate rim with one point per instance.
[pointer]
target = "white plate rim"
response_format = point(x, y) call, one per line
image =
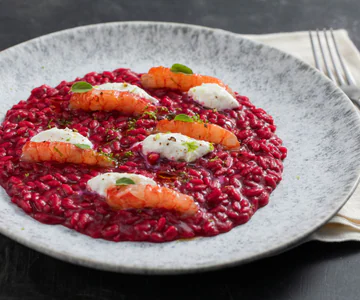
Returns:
point(145, 270)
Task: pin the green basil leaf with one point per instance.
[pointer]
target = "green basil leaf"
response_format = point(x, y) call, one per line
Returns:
point(183, 118)
point(81, 87)
point(124, 181)
point(82, 146)
point(179, 68)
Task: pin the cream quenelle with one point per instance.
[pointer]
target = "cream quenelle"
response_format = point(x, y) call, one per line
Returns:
point(126, 87)
point(61, 135)
point(176, 146)
point(100, 183)
point(213, 95)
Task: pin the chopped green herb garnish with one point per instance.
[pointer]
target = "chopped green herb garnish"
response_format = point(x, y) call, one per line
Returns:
point(64, 122)
point(82, 146)
point(124, 181)
point(157, 136)
point(27, 174)
point(22, 228)
point(179, 68)
point(197, 119)
point(183, 177)
point(68, 139)
point(131, 124)
point(191, 146)
point(211, 147)
point(58, 151)
point(151, 114)
point(109, 155)
point(81, 87)
point(297, 177)
point(128, 154)
point(183, 118)
point(42, 67)
point(49, 123)
point(213, 159)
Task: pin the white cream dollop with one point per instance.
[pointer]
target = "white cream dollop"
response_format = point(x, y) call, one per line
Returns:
point(126, 87)
point(213, 95)
point(61, 135)
point(176, 146)
point(100, 183)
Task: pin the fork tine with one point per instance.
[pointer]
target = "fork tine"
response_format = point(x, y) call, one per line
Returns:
point(328, 70)
point(316, 57)
point(348, 76)
point(335, 65)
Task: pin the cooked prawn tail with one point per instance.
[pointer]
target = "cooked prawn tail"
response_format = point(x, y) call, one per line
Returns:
point(161, 77)
point(208, 132)
point(63, 153)
point(148, 196)
point(109, 100)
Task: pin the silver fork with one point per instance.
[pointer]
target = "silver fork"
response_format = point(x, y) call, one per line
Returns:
point(342, 75)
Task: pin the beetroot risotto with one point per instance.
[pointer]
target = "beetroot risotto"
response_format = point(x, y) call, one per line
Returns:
point(153, 157)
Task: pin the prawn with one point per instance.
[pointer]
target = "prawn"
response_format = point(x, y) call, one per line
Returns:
point(161, 77)
point(108, 100)
point(63, 153)
point(202, 131)
point(142, 196)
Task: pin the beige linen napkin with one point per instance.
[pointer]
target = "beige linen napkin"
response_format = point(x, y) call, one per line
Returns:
point(345, 226)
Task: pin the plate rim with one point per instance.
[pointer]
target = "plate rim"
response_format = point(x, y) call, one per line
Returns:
point(78, 260)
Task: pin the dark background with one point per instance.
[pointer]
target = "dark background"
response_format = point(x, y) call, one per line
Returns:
point(312, 271)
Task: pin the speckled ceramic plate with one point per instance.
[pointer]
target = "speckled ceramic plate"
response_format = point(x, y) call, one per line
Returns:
point(317, 123)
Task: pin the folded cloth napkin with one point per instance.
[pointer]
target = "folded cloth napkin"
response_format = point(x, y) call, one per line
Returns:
point(345, 226)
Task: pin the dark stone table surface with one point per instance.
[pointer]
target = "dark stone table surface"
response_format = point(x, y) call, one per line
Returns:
point(311, 271)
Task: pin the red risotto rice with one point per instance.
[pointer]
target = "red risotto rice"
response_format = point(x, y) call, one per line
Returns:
point(228, 186)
